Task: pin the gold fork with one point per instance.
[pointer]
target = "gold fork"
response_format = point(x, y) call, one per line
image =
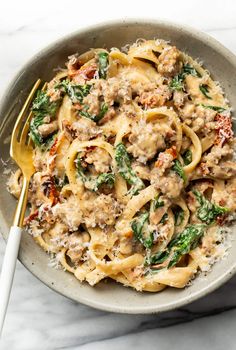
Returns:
point(21, 151)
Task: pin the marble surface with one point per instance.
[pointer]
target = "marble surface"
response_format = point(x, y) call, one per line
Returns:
point(37, 317)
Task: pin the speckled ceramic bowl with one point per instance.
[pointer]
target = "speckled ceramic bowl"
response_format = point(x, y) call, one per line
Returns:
point(111, 296)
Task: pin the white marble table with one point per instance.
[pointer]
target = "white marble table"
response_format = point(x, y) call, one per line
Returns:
point(38, 318)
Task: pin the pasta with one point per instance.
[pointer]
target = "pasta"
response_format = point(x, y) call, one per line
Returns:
point(134, 170)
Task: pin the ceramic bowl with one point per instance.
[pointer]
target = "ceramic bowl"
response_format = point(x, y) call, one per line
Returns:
point(111, 296)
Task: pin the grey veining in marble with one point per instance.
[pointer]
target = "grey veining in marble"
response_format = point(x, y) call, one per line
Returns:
point(37, 317)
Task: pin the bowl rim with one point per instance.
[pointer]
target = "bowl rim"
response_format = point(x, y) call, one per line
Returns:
point(211, 43)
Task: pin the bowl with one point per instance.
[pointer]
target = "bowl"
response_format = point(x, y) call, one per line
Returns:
point(111, 296)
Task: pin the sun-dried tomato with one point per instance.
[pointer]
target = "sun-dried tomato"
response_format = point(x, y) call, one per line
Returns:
point(50, 190)
point(53, 149)
point(224, 130)
point(160, 161)
point(31, 217)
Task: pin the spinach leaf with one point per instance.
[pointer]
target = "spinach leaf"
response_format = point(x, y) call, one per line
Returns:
point(104, 178)
point(103, 60)
point(214, 108)
point(179, 216)
point(157, 203)
point(177, 83)
point(177, 167)
point(76, 92)
point(187, 157)
point(125, 170)
point(48, 141)
point(188, 69)
point(103, 111)
point(138, 228)
point(95, 118)
point(41, 107)
point(205, 91)
point(179, 246)
point(164, 218)
point(207, 212)
point(95, 182)
point(34, 133)
point(80, 169)
point(59, 183)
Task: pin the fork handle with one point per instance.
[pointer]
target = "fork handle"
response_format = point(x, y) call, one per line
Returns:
point(8, 270)
point(10, 257)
